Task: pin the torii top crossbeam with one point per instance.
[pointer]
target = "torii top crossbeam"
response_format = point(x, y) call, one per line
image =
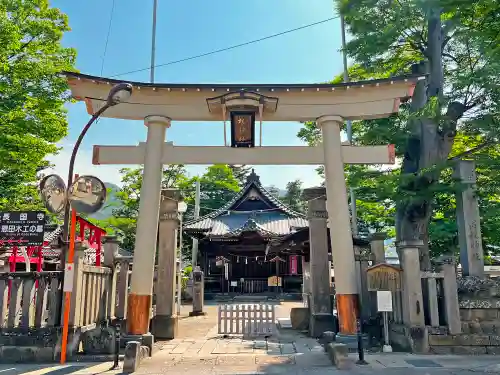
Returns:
point(293, 102)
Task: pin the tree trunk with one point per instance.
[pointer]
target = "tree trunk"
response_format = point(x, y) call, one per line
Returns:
point(424, 145)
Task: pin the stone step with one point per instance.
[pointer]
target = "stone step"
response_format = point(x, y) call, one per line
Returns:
point(284, 323)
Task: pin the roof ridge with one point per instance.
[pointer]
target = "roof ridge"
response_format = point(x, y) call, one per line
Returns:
point(280, 205)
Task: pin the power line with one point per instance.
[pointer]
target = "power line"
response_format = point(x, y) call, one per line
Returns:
point(107, 36)
point(229, 48)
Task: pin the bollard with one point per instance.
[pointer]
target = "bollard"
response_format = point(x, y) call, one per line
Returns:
point(361, 352)
point(117, 344)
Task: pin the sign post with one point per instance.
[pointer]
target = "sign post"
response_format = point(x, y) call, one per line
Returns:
point(384, 305)
point(69, 270)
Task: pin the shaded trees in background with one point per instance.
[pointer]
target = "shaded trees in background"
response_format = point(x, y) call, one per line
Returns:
point(32, 113)
point(293, 196)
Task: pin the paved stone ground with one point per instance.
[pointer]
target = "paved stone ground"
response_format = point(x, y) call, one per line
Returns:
point(199, 350)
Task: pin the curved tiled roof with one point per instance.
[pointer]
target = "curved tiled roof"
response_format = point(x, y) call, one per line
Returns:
point(280, 220)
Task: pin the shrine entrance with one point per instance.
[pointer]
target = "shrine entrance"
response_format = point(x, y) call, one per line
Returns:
point(246, 107)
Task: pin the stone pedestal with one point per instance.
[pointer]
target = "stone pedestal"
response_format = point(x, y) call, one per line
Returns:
point(321, 318)
point(165, 322)
point(165, 327)
point(469, 221)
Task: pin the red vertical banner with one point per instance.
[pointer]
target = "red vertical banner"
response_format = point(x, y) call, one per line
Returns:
point(293, 264)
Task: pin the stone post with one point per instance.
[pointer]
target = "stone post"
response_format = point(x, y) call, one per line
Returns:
point(77, 309)
point(377, 246)
point(110, 248)
point(413, 307)
point(165, 322)
point(198, 292)
point(110, 254)
point(141, 284)
point(306, 280)
point(469, 221)
point(122, 283)
point(321, 318)
point(450, 291)
point(339, 222)
point(363, 256)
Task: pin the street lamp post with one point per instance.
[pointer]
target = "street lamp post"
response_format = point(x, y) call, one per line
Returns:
point(118, 94)
point(181, 208)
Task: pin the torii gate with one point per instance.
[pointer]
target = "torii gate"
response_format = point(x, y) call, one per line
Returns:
point(329, 105)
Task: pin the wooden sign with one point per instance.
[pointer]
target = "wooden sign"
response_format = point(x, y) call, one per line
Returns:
point(242, 129)
point(274, 281)
point(384, 276)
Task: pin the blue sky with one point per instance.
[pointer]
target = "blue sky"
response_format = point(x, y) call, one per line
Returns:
point(192, 27)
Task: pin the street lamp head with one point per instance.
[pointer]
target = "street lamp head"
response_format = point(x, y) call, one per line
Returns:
point(119, 93)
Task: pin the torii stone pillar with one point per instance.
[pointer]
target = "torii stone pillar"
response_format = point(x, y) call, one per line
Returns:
point(469, 221)
point(141, 287)
point(344, 265)
point(165, 322)
point(321, 318)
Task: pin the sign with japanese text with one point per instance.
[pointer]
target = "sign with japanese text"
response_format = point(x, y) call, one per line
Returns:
point(22, 228)
point(293, 265)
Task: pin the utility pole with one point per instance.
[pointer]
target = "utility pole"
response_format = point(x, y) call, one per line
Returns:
point(354, 214)
point(153, 43)
point(194, 252)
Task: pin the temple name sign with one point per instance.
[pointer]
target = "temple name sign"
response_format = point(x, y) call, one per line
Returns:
point(22, 228)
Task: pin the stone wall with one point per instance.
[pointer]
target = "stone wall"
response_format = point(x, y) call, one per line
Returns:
point(44, 344)
point(479, 303)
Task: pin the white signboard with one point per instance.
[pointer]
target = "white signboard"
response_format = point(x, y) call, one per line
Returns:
point(226, 270)
point(69, 275)
point(234, 283)
point(384, 300)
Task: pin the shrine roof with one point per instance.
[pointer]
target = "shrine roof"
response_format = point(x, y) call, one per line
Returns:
point(254, 209)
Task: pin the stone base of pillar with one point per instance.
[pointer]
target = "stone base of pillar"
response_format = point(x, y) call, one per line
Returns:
point(347, 311)
point(197, 313)
point(319, 323)
point(165, 327)
point(138, 311)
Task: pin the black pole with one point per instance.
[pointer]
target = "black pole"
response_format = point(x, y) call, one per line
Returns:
point(67, 208)
point(361, 351)
point(117, 344)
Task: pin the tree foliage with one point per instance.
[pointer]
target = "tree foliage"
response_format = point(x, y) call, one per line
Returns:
point(456, 43)
point(32, 114)
point(217, 185)
point(293, 196)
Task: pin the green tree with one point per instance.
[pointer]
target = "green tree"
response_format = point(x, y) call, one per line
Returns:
point(293, 196)
point(218, 186)
point(123, 223)
point(241, 172)
point(456, 44)
point(32, 114)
